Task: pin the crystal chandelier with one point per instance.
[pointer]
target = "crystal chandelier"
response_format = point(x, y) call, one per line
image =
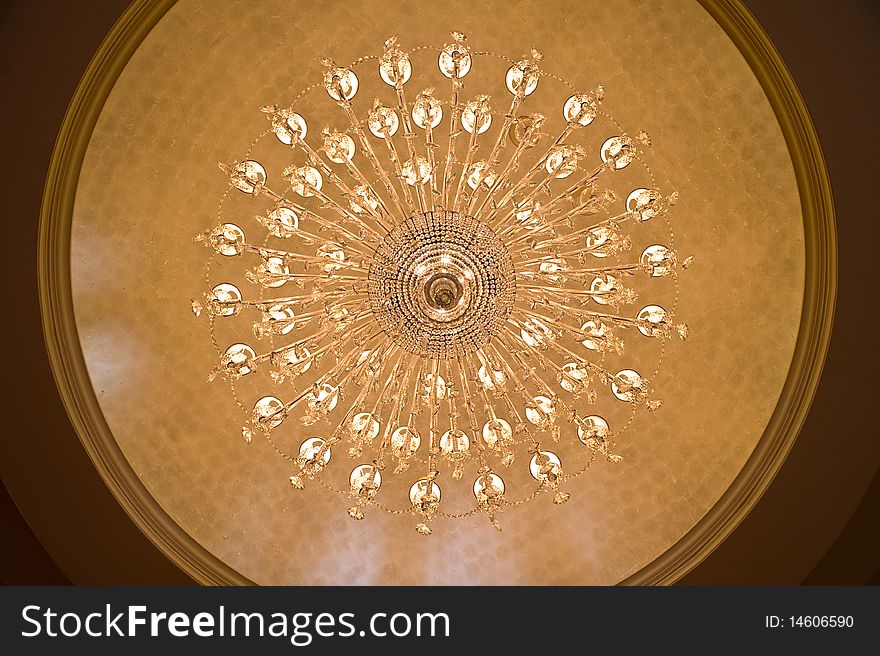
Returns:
point(440, 285)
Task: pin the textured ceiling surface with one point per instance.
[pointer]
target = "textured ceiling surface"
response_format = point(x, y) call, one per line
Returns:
point(191, 96)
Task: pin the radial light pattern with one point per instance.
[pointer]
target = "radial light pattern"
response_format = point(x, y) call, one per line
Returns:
point(439, 283)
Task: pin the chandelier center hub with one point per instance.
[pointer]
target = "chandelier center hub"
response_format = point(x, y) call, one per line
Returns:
point(444, 291)
point(441, 284)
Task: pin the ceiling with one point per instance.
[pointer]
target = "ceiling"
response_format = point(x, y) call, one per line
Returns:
point(191, 96)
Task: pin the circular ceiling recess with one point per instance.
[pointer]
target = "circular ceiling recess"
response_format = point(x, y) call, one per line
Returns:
point(178, 87)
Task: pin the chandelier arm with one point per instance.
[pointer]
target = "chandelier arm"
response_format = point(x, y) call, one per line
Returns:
point(337, 435)
point(345, 213)
point(374, 160)
point(357, 174)
point(329, 375)
point(454, 130)
point(433, 192)
point(433, 410)
point(314, 356)
point(554, 344)
point(488, 406)
point(512, 165)
point(468, 402)
point(498, 148)
point(398, 170)
point(342, 244)
point(360, 359)
point(522, 231)
point(306, 317)
point(281, 200)
point(626, 322)
point(527, 178)
point(471, 414)
point(468, 160)
point(409, 137)
point(572, 292)
point(521, 389)
point(311, 276)
point(451, 396)
point(546, 363)
point(379, 460)
point(547, 298)
point(586, 230)
point(562, 373)
point(347, 425)
point(399, 401)
point(331, 175)
point(516, 353)
point(397, 352)
point(305, 341)
point(501, 221)
point(455, 457)
point(611, 318)
point(408, 387)
point(263, 304)
point(513, 228)
point(582, 184)
point(627, 269)
point(264, 252)
point(415, 405)
point(503, 443)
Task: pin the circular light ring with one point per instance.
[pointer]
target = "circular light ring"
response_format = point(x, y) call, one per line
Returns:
point(447, 60)
point(427, 111)
point(361, 476)
point(393, 72)
point(496, 432)
point(309, 449)
point(248, 175)
point(633, 379)
point(341, 84)
point(228, 240)
point(553, 462)
point(405, 440)
point(339, 147)
point(618, 151)
point(288, 125)
point(522, 77)
point(653, 317)
point(269, 411)
point(593, 430)
point(454, 441)
point(226, 297)
point(282, 222)
point(295, 360)
point(238, 358)
point(579, 109)
point(483, 484)
point(420, 489)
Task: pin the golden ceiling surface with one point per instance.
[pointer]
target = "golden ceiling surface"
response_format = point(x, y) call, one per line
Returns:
point(191, 95)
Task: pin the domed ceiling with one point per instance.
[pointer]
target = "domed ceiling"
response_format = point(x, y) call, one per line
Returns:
point(191, 96)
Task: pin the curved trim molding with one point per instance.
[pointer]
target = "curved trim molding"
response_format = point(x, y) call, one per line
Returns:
point(56, 301)
point(817, 313)
point(77, 393)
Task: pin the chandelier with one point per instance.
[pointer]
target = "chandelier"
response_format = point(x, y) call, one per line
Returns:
point(440, 284)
